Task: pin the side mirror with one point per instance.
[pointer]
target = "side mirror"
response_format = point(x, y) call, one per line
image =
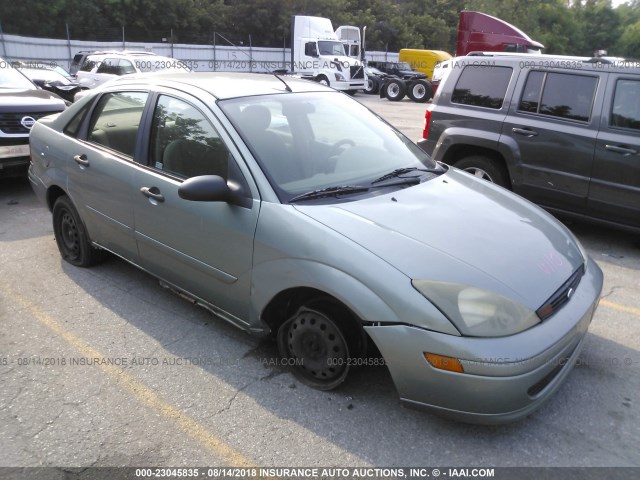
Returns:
point(213, 188)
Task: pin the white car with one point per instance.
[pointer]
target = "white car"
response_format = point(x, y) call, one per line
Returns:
point(100, 68)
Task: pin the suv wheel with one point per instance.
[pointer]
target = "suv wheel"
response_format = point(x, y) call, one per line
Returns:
point(395, 90)
point(485, 168)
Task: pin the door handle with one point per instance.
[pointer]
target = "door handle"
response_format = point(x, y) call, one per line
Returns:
point(152, 193)
point(622, 150)
point(524, 131)
point(81, 160)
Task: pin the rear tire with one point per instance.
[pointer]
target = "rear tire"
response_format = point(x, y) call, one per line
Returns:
point(420, 91)
point(71, 236)
point(395, 90)
point(485, 168)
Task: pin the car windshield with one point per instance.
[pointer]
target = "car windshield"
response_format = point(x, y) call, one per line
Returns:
point(312, 141)
point(11, 78)
point(330, 48)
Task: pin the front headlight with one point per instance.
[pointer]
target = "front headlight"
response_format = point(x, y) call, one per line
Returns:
point(477, 312)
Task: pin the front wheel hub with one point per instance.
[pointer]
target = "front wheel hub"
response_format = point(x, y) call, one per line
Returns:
point(316, 348)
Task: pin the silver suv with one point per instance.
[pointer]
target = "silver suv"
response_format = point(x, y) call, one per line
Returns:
point(102, 67)
point(563, 132)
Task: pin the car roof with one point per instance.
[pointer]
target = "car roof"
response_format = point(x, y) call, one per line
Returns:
point(222, 85)
point(117, 52)
point(568, 62)
point(124, 54)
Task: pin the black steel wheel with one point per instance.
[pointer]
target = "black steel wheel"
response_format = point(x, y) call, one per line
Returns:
point(71, 236)
point(315, 346)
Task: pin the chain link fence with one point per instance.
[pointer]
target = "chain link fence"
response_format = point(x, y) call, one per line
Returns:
point(220, 51)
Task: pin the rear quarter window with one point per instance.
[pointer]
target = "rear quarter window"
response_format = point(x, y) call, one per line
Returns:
point(482, 86)
point(561, 95)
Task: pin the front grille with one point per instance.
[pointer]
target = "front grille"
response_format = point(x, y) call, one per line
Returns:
point(562, 295)
point(10, 122)
point(357, 72)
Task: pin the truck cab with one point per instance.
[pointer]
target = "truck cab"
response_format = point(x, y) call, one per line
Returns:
point(318, 54)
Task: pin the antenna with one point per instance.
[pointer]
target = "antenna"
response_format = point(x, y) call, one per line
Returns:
point(287, 87)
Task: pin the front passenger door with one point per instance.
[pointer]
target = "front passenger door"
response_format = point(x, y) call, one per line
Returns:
point(204, 248)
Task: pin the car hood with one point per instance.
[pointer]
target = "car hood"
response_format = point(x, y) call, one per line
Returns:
point(461, 230)
point(35, 100)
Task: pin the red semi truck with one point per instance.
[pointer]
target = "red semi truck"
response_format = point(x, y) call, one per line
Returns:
point(479, 32)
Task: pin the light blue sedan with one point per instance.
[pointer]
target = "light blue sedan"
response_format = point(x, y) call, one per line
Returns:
point(291, 210)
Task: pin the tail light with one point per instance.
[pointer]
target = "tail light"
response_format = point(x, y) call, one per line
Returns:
point(425, 132)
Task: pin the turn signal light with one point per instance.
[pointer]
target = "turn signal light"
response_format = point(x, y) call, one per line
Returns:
point(444, 363)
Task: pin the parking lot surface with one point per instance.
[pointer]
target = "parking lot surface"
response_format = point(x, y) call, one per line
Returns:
point(103, 367)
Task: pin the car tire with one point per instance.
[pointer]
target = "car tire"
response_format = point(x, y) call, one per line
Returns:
point(485, 168)
point(322, 80)
point(395, 90)
point(373, 85)
point(318, 342)
point(419, 91)
point(71, 235)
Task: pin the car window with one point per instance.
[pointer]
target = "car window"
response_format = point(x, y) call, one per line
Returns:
point(626, 105)
point(73, 127)
point(562, 95)
point(310, 141)
point(125, 67)
point(482, 86)
point(184, 142)
point(110, 66)
point(89, 64)
point(116, 119)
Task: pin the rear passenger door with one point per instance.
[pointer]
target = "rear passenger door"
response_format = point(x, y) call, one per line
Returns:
point(101, 167)
point(552, 128)
point(204, 248)
point(614, 193)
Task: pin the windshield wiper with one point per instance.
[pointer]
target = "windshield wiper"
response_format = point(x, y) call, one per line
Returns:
point(401, 171)
point(330, 191)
